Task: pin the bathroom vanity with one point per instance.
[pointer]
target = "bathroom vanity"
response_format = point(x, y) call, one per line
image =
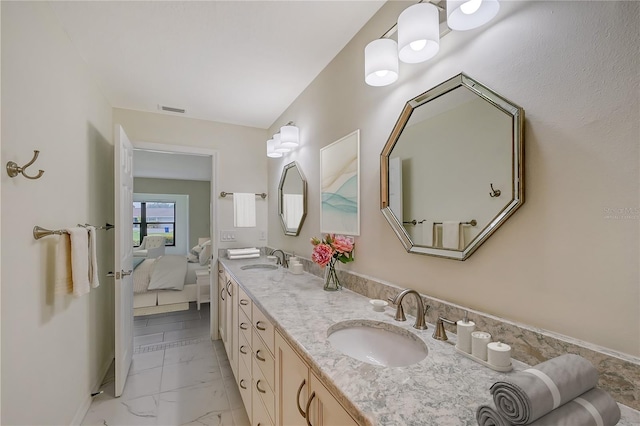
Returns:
point(276, 334)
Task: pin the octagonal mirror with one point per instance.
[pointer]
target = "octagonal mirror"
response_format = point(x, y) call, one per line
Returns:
point(452, 169)
point(292, 199)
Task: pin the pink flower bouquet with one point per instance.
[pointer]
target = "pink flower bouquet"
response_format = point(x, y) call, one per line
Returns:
point(327, 251)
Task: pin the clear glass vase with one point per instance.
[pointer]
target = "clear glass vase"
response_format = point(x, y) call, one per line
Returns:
point(331, 281)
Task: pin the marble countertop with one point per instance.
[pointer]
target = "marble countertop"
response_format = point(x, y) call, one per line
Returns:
point(445, 388)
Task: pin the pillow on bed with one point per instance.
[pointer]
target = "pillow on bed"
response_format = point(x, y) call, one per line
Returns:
point(192, 258)
point(196, 250)
point(205, 253)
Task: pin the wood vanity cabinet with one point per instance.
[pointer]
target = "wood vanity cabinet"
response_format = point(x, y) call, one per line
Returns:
point(255, 352)
point(228, 317)
point(302, 399)
point(222, 305)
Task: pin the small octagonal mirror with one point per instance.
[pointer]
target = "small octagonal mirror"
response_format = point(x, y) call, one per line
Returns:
point(452, 169)
point(292, 199)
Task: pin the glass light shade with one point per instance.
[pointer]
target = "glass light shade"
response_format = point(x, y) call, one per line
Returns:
point(465, 15)
point(381, 62)
point(278, 145)
point(271, 152)
point(289, 136)
point(418, 33)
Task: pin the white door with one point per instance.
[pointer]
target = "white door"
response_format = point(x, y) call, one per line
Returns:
point(123, 176)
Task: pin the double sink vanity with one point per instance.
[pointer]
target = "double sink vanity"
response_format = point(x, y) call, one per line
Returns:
point(424, 381)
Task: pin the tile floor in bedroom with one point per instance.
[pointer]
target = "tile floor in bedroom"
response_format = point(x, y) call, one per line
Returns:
point(178, 377)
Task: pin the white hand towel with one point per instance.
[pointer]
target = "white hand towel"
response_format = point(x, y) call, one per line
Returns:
point(427, 233)
point(451, 235)
point(235, 252)
point(62, 281)
point(292, 209)
point(244, 256)
point(79, 260)
point(244, 210)
point(93, 258)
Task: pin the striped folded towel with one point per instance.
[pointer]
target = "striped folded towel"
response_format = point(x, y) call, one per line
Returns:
point(530, 394)
point(593, 408)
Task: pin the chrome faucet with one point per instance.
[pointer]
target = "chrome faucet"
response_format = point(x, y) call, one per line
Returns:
point(420, 323)
point(281, 260)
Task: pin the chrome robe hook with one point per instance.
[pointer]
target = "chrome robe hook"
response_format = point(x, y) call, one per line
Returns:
point(14, 170)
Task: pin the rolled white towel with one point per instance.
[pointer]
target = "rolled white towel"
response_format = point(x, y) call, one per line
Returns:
point(530, 394)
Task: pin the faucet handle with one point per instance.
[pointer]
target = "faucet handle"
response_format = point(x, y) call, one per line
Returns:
point(399, 311)
point(440, 333)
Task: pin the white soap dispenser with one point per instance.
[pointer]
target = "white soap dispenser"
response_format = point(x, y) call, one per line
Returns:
point(464, 329)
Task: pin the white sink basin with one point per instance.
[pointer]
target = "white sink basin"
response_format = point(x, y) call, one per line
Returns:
point(377, 343)
point(259, 266)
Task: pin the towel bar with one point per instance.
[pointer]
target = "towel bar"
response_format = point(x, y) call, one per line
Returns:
point(40, 232)
point(472, 222)
point(224, 194)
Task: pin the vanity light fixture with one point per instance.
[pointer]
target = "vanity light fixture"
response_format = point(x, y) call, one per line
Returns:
point(419, 33)
point(287, 139)
point(271, 149)
point(463, 15)
point(289, 135)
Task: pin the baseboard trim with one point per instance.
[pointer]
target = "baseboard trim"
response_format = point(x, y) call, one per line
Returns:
point(82, 410)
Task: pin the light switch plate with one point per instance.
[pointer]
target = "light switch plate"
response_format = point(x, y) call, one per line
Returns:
point(226, 236)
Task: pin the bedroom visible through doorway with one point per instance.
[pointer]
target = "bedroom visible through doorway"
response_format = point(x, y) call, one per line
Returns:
point(172, 274)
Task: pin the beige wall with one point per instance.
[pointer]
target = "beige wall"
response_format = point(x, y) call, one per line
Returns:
point(242, 161)
point(55, 350)
point(561, 262)
point(199, 193)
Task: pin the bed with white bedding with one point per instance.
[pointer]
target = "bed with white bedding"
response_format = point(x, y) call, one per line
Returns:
point(165, 284)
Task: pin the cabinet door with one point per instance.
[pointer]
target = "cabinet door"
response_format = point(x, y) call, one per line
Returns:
point(325, 409)
point(229, 291)
point(292, 385)
point(222, 306)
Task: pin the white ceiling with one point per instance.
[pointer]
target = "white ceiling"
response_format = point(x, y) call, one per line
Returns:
point(239, 62)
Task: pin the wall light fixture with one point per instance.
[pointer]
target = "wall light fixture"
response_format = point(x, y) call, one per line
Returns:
point(418, 29)
point(284, 141)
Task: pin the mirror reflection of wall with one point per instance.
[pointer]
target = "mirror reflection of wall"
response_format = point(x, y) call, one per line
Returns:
point(292, 201)
point(451, 146)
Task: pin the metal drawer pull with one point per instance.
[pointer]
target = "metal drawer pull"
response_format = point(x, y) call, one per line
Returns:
point(228, 284)
point(222, 294)
point(313, 395)
point(241, 351)
point(241, 385)
point(259, 357)
point(244, 302)
point(302, 413)
point(258, 387)
point(245, 326)
point(259, 327)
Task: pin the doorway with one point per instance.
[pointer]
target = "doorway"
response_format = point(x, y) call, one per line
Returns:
point(172, 163)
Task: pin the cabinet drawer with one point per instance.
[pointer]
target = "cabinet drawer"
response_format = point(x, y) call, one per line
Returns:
point(244, 302)
point(245, 386)
point(262, 391)
point(244, 324)
point(263, 358)
point(260, 416)
point(264, 327)
point(244, 351)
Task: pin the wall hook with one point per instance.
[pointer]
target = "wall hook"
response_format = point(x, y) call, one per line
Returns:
point(494, 192)
point(14, 170)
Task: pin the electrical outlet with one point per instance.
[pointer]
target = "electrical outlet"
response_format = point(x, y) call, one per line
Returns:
point(263, 235)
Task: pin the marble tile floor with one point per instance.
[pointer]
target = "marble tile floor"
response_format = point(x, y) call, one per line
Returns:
point(179, 378)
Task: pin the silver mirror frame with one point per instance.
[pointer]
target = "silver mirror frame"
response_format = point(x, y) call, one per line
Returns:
point(517, 195)
point(285, 169)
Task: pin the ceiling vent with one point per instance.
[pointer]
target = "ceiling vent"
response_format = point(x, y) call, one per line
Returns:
point(171, 109)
